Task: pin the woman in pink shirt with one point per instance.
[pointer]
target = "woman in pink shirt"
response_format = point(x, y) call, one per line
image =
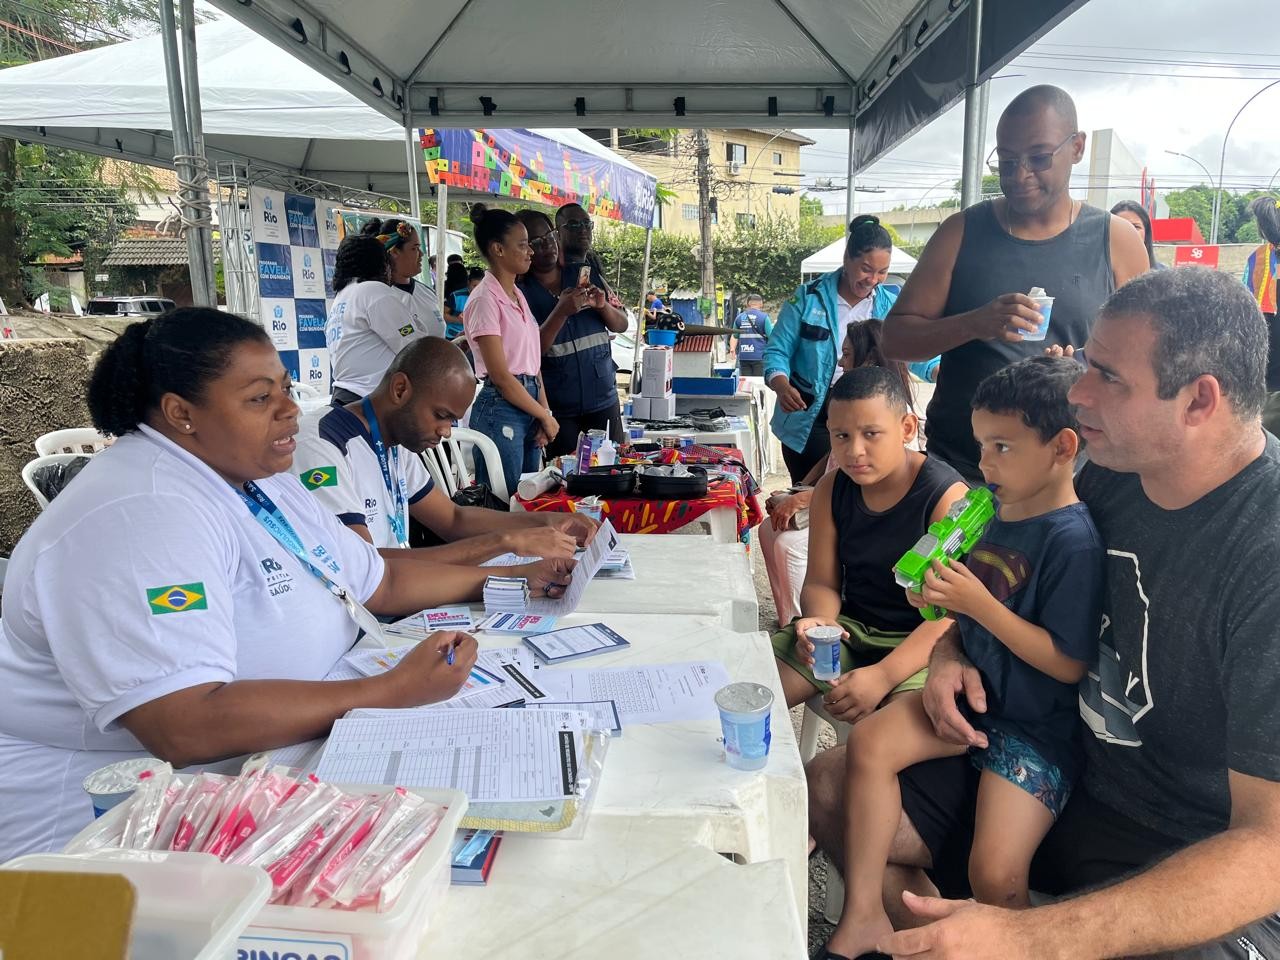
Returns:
point(503, 335)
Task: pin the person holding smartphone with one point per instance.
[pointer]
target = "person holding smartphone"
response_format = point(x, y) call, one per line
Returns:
point(577, 316)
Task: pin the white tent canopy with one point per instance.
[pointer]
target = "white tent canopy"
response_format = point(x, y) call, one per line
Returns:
point(832, 255)
point(260, 106)
point(656, 63)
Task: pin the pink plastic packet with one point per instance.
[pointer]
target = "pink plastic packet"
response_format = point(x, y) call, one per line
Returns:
point(258, 799)
point(322, 833)
point(144, 810)
point(203, 802)
point(175, 803)
point(398, 847)
point(333, 868)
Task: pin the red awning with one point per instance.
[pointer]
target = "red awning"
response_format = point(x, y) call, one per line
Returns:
point(1176, 230)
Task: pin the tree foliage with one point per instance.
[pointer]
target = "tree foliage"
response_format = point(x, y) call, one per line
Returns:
point(1236, 223)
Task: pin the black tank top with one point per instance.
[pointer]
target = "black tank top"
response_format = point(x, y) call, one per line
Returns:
point(869, 544)
point(1074, 268)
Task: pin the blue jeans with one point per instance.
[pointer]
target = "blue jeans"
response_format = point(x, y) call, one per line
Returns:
point(513, 430)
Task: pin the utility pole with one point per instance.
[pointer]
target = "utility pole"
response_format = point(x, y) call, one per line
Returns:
point(707, 267)
point(11, 291)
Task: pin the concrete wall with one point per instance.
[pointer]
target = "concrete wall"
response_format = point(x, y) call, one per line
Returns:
point(42, 387)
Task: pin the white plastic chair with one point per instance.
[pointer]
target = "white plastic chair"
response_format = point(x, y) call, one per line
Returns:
point(450, 464)
point(29, 472)
point(82, 441)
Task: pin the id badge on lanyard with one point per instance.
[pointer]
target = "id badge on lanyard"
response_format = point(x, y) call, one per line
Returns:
point(397, 510)
point(318, 561)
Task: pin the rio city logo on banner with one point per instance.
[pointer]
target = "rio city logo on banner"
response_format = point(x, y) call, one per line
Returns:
point(275, 270)
point(311, 323)
point(270, 221)
point(300, 213)
point(314, 369)
point(308, 273)
point(279, 318)
point(329, 236)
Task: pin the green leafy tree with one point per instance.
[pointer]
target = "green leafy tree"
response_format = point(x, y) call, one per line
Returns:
point(1236, 224)
point(810, 208)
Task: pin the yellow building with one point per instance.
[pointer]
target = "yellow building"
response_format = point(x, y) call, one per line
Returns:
point(746, 167)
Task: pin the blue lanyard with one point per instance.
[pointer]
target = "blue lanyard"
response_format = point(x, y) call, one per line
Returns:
point(268, 514)
point(397, 510)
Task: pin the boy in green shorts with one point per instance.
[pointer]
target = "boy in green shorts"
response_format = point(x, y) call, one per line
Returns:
point(863, 517)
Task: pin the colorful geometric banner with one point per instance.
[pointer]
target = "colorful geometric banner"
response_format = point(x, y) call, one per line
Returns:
point(525, 165)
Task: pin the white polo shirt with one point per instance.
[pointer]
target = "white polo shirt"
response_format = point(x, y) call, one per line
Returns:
point(146, 576)
point(368, 324)
point(336, 462)
point(424, 309)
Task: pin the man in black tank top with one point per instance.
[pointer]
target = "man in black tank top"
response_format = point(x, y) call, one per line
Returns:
point(967, 298)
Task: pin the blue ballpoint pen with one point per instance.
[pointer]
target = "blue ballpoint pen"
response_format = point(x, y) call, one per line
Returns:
point(448, 656)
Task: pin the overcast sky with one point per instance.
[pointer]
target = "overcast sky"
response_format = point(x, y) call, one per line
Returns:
point(1153, 106)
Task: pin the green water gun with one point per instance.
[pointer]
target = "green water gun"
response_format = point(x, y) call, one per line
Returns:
point(947, 540)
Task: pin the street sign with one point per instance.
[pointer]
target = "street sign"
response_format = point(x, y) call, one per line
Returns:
point(1196, 256)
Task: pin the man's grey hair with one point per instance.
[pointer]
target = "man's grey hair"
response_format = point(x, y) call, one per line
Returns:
point(1206, 323)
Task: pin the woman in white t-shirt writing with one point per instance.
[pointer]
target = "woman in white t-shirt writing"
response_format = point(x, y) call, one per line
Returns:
point(185, 595)
point(369, 321)
point(511, 408)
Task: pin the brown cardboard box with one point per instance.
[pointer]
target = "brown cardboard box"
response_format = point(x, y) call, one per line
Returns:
point(71, 916)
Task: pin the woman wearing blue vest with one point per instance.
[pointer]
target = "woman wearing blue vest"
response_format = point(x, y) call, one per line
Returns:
point(800, 362)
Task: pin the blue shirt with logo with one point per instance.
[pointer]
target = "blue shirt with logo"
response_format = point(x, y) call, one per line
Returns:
point(754, 327)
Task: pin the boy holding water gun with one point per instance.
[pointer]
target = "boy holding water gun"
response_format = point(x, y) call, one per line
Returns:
point(1027, 603)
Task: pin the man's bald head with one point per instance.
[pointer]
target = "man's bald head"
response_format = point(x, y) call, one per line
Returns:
point(431, 360)
point(1041, 99)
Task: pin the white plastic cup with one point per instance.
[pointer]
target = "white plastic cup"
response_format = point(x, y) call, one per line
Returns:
point(591, 507)
point(111, 785)
point(1045, 306)
point(744, 718)
point(826, 652)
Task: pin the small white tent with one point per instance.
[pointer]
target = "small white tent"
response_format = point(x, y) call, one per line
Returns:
point(831, 256)
point(260, 105)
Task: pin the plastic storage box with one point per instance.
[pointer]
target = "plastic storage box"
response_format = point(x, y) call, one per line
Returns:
point(355, 934)
point(189, 904)
point(705, 386)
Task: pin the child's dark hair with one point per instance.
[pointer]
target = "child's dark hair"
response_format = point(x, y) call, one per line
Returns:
point(180, 352)
point(866, 234)
point(491, 226)
point(863, 383)
point(865, 339)
point(455, 278)
point(1034, 389)
point(360, 257)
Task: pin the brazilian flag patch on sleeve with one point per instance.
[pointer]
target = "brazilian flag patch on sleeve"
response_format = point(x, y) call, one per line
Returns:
point(318, 477)
point(406, 330)
point(177, 598)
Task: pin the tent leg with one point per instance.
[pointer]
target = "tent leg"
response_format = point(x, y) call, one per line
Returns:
point(182, 154)
point(975, 112)
point(202, 203)
point(410, 149)
point(442, 237)
point(849, 187)
point(644, 288)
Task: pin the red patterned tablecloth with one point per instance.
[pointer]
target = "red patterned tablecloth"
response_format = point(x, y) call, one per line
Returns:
point(645, 515)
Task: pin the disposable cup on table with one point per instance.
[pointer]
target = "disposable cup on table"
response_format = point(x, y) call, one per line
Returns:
point(113, 784)
point(745, 709)
point(589, 506)
point(1045, 306)
point(826, 652)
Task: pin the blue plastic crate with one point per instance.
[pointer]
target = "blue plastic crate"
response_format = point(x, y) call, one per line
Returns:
point(705, 386)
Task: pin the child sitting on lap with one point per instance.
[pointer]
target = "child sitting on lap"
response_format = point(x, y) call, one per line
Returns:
point(1027, 603)
point(863, 516)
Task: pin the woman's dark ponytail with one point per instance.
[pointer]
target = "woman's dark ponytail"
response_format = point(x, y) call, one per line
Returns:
point(866, 234)
point(181, 352)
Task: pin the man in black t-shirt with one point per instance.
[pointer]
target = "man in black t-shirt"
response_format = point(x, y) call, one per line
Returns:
point(1177, 817)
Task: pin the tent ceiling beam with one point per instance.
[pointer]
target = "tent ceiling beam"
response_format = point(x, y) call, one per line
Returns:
point(444, 35)
point(817, 44)
point(927, 21)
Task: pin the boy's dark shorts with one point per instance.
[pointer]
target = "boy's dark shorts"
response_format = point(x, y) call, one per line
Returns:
point(1090, 845)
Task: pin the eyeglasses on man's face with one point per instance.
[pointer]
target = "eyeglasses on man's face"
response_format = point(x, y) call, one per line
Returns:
point(577, 225)
point(545, 242)
point(1035, 162)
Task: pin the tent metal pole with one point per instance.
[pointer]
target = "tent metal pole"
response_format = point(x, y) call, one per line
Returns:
point(975, 112)
point(849, 187)
point(411, 158)
point(202, 204)
point(644, 289)
point(442, 242)
point(182, 151)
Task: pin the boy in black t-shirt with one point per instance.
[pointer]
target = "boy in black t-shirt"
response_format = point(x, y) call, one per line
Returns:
point(1027, 603)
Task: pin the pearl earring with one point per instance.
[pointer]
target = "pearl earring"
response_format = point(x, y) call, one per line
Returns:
point(186, 426)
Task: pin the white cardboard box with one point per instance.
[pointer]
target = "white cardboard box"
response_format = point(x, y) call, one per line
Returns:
point(662, 408)
point(640, 407)
point(692, 364)
point(656, 371)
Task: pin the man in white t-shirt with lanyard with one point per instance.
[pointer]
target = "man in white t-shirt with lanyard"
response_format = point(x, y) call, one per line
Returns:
point(361, 460)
